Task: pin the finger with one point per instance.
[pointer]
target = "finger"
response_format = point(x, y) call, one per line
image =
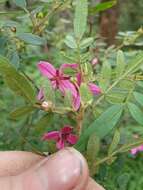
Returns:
point(92, 185)
point(15, 162)
point(64, 170)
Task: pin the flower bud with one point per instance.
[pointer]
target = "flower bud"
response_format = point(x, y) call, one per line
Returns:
point(94, 61)
point(13, 29)
point(46, 105)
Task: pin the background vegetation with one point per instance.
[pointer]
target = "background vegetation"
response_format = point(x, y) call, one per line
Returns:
point(31, 31)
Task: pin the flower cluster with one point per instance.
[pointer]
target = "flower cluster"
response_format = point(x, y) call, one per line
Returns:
point(60, 80)
point(64, 82)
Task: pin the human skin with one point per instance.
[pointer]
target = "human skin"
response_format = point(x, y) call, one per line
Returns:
point(64, 170)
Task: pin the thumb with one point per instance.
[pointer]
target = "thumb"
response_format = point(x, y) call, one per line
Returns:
point(64, 170)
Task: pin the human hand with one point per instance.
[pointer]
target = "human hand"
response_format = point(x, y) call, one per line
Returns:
point(65, 170)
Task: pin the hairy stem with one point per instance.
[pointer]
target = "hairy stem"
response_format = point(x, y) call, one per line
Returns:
point(80, 118)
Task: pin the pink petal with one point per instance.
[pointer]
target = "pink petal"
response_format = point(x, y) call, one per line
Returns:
point(47, 69)
point(53, 135)
point(72, 66)
point(72, 139)
point(67, 129)
point(67, 85)
point(134, 151)
point(54, 84)
point(79, 79)
point(95, 90)
point(140, 148)
point(40, 94)
point(60, 144)
point(76, 102)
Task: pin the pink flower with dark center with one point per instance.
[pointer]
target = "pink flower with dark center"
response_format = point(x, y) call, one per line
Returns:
point(63, 137)
point(134, 151)
point(58, 79)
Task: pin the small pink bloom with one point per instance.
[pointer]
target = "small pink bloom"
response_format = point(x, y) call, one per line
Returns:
point(95, 90)
point(62, 137)
point(94, 61)
point(134, 151)
point(57, 77)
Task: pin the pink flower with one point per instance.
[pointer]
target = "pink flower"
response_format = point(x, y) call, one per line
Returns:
point(58, 79)
point(95, 90)
point(62, 137)
point(134, 151)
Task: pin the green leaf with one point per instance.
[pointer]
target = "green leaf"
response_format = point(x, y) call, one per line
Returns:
point(70, 42)
point(5, 66)
point(20, 85)
point(102, 6)
point(123, 181)
point(93, 147)
point(134, 65)
point(80, 19)
point(15, 60)
point(120, 63)
point(105, 77)
point(68, 99)
point(140, 84)
point(86, 43)
point(48, 91)
point(115, 142)
point(22, 111)
point(139, 97)
point(102, 125)
point(44, 123)
point(31, 38)
point(21, 3)
point(136, 113)
point(16, 81)
point(85, 94)
point(70, 71)
point(116, 97)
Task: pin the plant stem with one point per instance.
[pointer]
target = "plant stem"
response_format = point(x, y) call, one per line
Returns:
point(124, 148)
point(80, 118)
point(40, 27)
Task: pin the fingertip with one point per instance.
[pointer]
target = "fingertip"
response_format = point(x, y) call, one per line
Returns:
point(92, 185)
point(15, 162)
point(67, 169)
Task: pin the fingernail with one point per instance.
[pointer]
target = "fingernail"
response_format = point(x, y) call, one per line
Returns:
point(63, 170)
